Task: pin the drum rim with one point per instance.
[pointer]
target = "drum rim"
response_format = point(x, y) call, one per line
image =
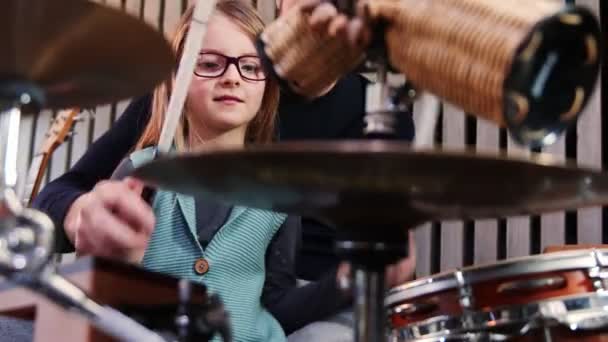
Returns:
point(550, 262)
point(468, 337)
point(486, 322)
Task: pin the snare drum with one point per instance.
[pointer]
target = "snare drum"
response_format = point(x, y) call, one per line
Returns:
point(552, 297)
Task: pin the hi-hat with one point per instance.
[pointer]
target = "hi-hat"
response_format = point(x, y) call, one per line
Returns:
point(363, 183)
point(78, 53)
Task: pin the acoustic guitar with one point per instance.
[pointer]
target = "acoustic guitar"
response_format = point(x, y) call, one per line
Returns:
point(59, 131)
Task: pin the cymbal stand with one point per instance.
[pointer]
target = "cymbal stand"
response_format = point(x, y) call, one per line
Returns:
point(387, 103)
point(371, 249)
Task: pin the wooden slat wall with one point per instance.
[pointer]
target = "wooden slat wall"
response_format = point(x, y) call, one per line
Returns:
point(486, 231)
point(518, 228)
point(589, 152)
point(452, 233)
point(441, 245)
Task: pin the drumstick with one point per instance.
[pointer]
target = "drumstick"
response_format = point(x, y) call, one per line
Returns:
point(194, 39)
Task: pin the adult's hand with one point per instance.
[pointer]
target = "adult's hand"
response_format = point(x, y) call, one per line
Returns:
point(325, 16)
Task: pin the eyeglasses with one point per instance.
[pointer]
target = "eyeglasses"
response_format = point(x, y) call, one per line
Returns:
point(212, 65)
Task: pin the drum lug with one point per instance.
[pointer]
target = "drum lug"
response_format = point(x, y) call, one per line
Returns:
point(465, 292)
point(599, 273)
point(407, 309)
point(599, 277)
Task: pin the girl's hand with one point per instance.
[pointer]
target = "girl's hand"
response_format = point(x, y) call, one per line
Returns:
point(111, 221)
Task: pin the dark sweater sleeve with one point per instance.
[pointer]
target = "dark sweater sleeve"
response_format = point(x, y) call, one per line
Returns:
point(97, 163)
point(295, 307)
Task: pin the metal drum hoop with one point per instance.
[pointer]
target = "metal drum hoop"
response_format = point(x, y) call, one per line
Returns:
point(579, 312)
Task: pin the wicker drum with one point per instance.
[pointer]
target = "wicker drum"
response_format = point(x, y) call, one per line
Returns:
point(528, 64)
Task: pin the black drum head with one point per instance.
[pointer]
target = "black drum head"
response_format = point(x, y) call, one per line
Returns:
point(553, 76)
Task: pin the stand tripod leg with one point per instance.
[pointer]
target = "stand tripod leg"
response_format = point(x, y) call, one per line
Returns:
point(369, 251)
point(15, 97)
point(9, 139)
point(369, 304)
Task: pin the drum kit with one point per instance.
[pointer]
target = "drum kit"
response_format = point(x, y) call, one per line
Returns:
point(529, 66)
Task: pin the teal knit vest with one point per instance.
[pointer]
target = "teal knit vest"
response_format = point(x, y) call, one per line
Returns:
point(236, 257)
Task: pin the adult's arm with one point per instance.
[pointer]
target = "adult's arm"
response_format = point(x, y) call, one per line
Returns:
point(293, 306)
point(97, 163)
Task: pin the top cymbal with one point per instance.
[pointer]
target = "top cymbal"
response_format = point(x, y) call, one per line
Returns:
point(78, 53)
point(363, 183)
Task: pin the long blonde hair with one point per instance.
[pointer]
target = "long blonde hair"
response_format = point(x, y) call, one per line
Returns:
point(260, 129)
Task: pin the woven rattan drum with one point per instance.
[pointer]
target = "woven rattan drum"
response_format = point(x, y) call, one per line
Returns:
point(528, 64)
point(307, 61)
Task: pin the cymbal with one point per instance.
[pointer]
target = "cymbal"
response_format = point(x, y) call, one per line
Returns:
point(374, 182)
point(78, 53)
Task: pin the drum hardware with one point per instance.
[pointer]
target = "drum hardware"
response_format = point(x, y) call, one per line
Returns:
point(14, 98)
point(465, 298)
point(413, 308)
point(194, 322)
point(599, 272)
point(600, 278)
point(531, 285)
point(188, 321)
point(386, 105)
point(465, 292)
point(369, 251)
point(575, 313)
point(465, 337)
point(387, 102)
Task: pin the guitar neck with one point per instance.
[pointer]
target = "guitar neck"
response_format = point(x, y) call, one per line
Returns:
point(34, 177)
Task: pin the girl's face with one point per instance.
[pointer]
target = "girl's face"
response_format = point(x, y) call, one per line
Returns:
point(218, 102)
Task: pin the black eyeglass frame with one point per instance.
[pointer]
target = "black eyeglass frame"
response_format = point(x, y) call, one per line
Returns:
point(232, 60)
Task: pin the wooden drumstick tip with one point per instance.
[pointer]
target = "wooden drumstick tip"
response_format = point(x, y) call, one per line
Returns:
point(592, 49)
point(577, 105)
point(532, 47)
point(523, 107)
point(570, 19)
